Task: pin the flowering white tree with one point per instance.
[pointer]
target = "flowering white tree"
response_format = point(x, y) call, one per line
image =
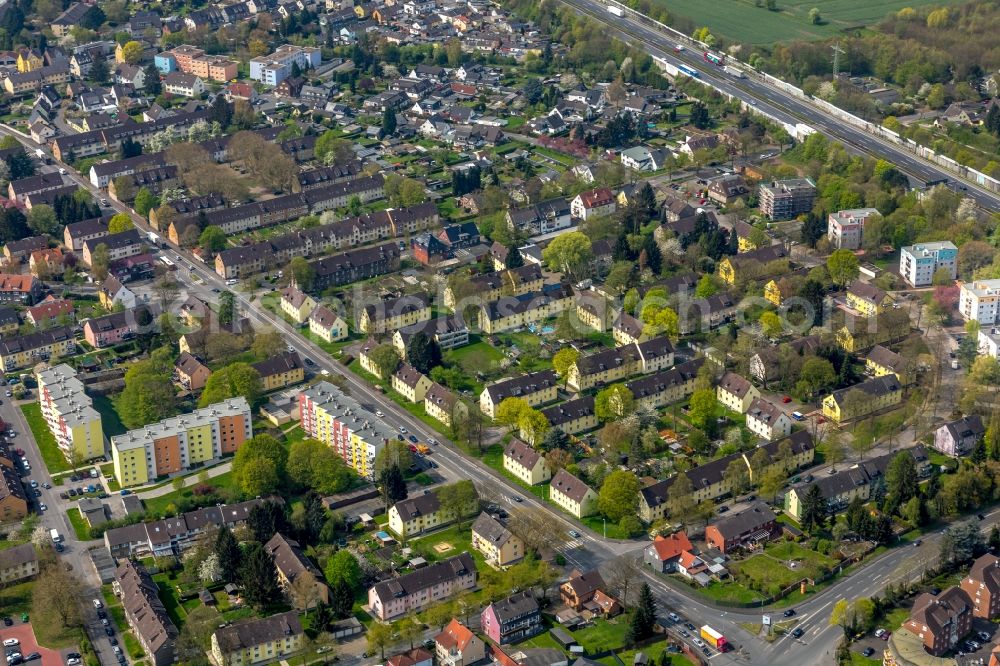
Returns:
point(210, 570)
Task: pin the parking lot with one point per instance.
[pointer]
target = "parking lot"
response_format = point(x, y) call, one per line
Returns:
point(27, 645)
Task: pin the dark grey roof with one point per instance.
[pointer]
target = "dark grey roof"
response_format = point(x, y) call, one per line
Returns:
point(414, 507)
point(569, 411)
point(491, 529)
point(520, 386)
point(569, 485)
point(248, 633)
point(421, 579)
point(753, 518)
point(514, 606)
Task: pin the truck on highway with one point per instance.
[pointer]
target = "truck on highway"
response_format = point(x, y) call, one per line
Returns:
point(714, 638)
point(423, 449)
point(617, 11)
point(734, 72)
point(56, 537)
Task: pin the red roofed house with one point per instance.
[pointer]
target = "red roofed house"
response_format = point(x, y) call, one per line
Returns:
point(593, 203)
point(458, 646)
point(665, 551)
point(983, 586)
point(241, 90)
point(47, 312)
point(415, 657)
point(46, 263)
point(606, 604)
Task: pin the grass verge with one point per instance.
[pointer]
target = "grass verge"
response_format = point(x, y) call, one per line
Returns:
point(53, 457)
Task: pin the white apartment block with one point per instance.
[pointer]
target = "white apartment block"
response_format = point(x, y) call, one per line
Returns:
point(275, 68)
point(845, 228)
point(69, 413)
point(989, 342)
point(918, 263)
point(979, 301)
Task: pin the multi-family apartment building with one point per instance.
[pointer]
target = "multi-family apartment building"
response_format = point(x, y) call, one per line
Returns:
point(666, 386)
point(394, 313)
point(24, 289)
point(329, 415)
point(450, 332)
point(880, 393)
point(535, 388)
point(257, 641)
point(327, 325)
point(500, 547)
point(526, 463)
point(735, 392)
point(867, 299)
point(355, 265)
point(117, 327)
point(298, 577)
point(18, 563)
point(918, 263)
point(280, 371)
point(69, 413)
point(274, 68)
point(982, 584)
point(121, 245)
point(172, 536)
point(784, 199)
point(979, 301)
point(444, 405)
point(753, 525)
point(845, 228)
point(959, 437)
point(145, 613)
point(710, 481)
point(612, 365)
point(510, 312)
point(415, 515)
point(941, 621)
point(766, 420)
point(175, 444)
point(493, 286)
point(513, 619)
point(27, 350)
point(572, 495)
point(420, 588)
point(571, 417)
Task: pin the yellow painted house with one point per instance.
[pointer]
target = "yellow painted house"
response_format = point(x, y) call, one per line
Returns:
point(443, 405)
point(69, 413)
point(297, 304)
point(411, 383)
point(572, 495)
point(327, 325)
point(868, 299)
point(500, 547)
point(736, 392)
point(421, 513)
point(881, 362)
point(29, 60)
point(881, 392)
point(27, 350)
point(860, 332)
point(572, 417)
point(535, 388)
point(506, 282)
point(733, 268)
point(280, 371)
point(612, 365)
point(512, 312)
point(780, 288)
point(524, 462)
point(257, 641)
point(395, 313)
point(594, 311)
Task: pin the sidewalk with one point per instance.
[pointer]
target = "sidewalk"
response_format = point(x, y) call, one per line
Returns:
point(189, 480)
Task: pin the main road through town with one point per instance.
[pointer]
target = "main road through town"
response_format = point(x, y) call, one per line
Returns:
point(754, 90)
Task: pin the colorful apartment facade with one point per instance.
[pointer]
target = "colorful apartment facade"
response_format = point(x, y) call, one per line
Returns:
point(69, 413)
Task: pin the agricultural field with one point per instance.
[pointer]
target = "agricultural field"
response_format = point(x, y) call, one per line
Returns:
point(743, 21)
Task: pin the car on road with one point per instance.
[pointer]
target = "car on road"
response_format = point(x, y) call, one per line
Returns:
point(690, 627)
point(402, 430)
point(789, 613)
point(105, 622)
point(59, 547)
point(685, 634)
point(101, 613)
point(787, 399)
point(413, 439)
point(34, 484)
point(98, 603)
point(723, 509)
point(432, 441)
point(980, 516)
point(379, 414)
point(42, 508)
point(308, 361)
point(868, 651)
point(116, 649)
point(798, 632)
point(916, 544)
point(697, 641)
point(879, 632)
point(574, 534)
point(73, 661)
point(674, 617)
point(47, 485)
point(109, 631)
point(113, 640)
point(517, 499)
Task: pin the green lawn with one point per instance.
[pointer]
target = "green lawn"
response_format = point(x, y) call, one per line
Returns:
point(79, 524)
point(603, 635)
point(110, 421)
point(771, 570)
point(729, 593)
point(159, 504)
point(742, 21)
point(53, 457)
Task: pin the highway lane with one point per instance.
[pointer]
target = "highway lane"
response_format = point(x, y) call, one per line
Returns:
point(757, 93)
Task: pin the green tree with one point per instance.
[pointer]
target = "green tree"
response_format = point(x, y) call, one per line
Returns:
point(770, 324)
point(843, 267)
point(99, 71)
point(249, 475)
point(237, 379)
point(412, 192)
point(42, 220)
point(703, 407)
point(508, 412)
point(392, 485)
point(227, 549)
point(227, 308)
point(814, 16)
point(303, 273)
point(120, 222)
point(643, 618)
point(936, 96)
point(331, 148)
point(388, 122)
point(314, 465)
point(149, 394)
point(394, 454)
point(563, 360)
point(385, 360)
point(706, 287)
point(145, 201)
point(569, 252)
point(814, 509)
point(100, 259)
point(259, 578)
point(901, 480)
point(613, 403)
point(680, 498)
point(533, 424)
point(343, 567)
point(619, 496)
point(132, 52)
point(423, 352)
point(267, 344)
point(212, 239)
point(818, 374)
point(842, 615)
point(459, 498)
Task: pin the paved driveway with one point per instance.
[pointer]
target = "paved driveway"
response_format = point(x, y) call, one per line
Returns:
point(26, 635)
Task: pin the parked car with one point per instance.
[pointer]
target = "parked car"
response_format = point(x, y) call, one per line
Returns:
point(867, 652)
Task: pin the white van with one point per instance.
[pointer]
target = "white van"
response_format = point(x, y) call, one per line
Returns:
point(56, 537)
